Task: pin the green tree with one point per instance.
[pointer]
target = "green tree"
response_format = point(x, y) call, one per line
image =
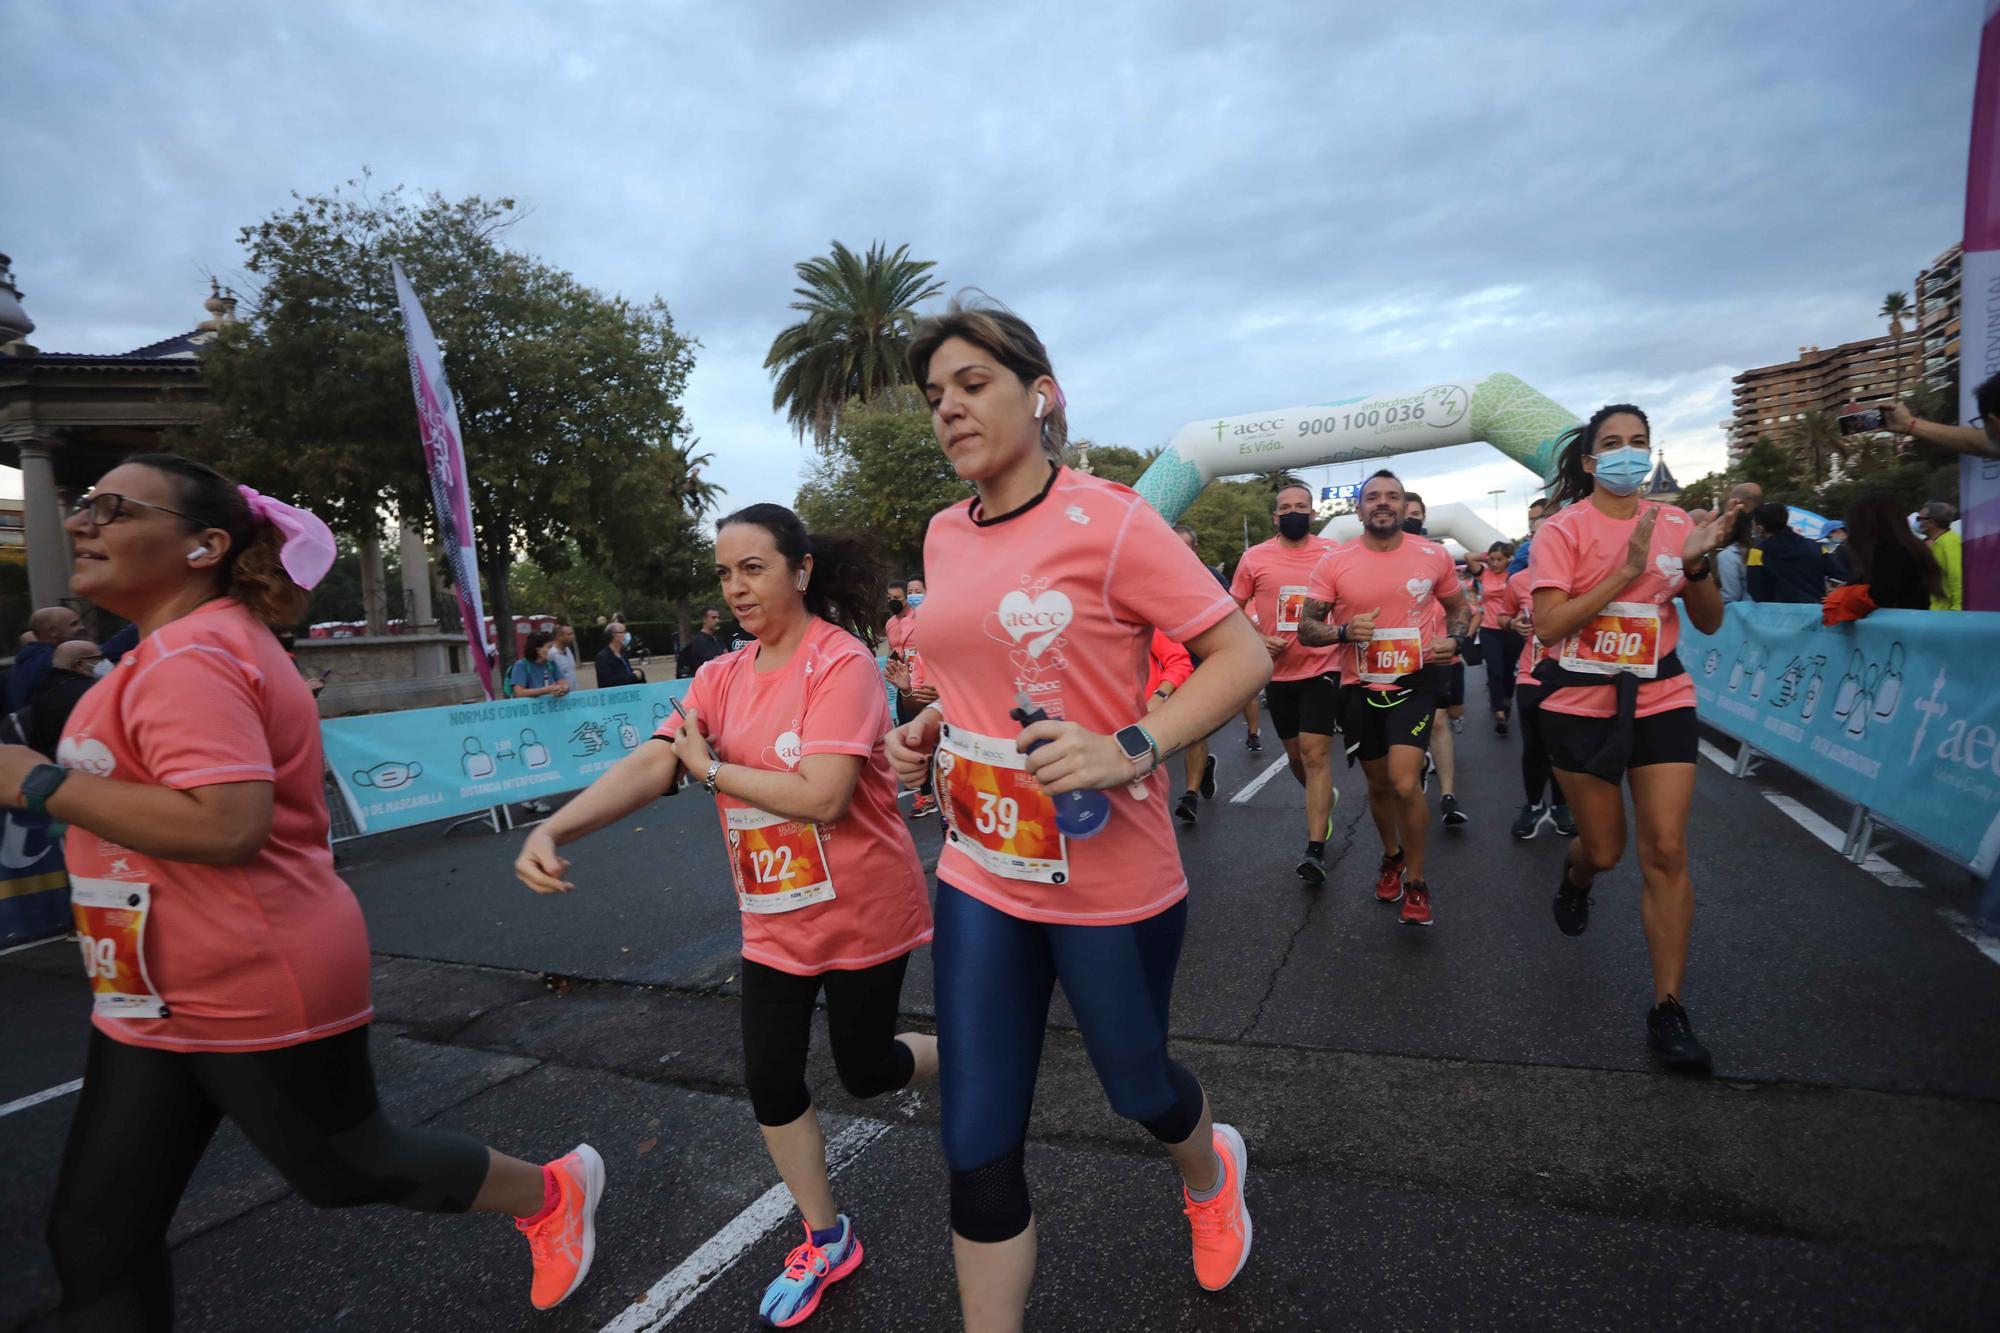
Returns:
point(1113, 462)
point(1228, 517)
point(569, 399)
point(882, 474)
point(1705, 492)
point(860, 311)
point(1815, 440)
point(1894, 306)
point(1771, 468)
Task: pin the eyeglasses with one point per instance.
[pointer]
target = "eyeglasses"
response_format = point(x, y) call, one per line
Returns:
point(107, 507)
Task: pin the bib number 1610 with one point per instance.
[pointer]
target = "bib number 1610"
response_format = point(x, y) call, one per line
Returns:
point(1612, 643)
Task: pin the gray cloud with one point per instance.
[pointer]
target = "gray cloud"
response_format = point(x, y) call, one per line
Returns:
point(1204, 209)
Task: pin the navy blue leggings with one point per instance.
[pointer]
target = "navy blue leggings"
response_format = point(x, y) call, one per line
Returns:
point(995, 977)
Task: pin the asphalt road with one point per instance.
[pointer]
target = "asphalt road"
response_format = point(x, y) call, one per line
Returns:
point(1452, 1128)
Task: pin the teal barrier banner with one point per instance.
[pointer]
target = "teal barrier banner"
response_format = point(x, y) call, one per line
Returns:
point(400, 769)
point(1897, 712)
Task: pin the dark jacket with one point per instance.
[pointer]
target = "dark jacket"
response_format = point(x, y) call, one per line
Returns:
point(1791, 569)
point(31, 668)
point(613, 669)
point(51, 707)
point(701, 649)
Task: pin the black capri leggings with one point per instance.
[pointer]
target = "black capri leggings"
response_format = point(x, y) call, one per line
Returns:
point(1501, 649)
point(861, 1009)
point(145, 1117)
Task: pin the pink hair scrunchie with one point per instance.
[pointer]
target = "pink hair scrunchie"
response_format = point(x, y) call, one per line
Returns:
point(308, 548)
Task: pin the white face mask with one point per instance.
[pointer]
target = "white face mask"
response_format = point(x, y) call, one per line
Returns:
point(103, 668)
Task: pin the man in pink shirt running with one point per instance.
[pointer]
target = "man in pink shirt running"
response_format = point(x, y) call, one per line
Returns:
point(1394, 605)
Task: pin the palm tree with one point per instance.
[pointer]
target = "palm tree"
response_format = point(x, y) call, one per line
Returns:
point(1894, 306)
point(1815, 438)
point(859, 313)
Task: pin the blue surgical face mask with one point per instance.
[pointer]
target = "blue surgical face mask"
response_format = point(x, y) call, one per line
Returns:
point(915, 599)
point(1623, 471)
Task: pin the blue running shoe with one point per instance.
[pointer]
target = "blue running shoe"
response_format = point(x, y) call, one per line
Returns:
point(809, 1270)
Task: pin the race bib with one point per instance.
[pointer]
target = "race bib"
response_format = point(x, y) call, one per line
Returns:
point(1291, 609)
point(779, 863)
point(111, 929)
point(1390, 655)
point(1623, 637)
point(995, 813)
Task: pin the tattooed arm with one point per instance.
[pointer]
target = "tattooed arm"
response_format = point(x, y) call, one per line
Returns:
point(1314, 632)
point(1457, 623)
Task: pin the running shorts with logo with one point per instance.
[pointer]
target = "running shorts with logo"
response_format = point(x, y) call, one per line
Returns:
point(1374, 720)
point(1310, 705)
point(1671, 737)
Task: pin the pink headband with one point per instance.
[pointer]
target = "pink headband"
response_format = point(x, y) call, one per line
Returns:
point(308, 549)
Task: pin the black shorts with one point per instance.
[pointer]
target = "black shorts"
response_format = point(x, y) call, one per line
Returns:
point(1374, 720)
point(1671, 737)
point(1453, 693)
point(1310, 704)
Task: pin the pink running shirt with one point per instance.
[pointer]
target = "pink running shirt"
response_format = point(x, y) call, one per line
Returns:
point(826, 700)
point(1403, 584)
point(1578, 549)
point(1271, 580)
point(249, 957)
point(1061, 601)
point(1518, 602)
point(1492, 597)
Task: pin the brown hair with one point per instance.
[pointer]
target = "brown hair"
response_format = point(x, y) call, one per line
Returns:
point(1008, 339)
point(251, 570)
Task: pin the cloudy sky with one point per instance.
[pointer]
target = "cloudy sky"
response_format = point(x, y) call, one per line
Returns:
point(1205, 209)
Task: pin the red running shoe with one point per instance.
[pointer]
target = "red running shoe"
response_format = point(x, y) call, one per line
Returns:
point(1389, 880)
point(1417, 904)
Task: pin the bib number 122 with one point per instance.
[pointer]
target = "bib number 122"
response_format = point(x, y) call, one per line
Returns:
point(771, 865)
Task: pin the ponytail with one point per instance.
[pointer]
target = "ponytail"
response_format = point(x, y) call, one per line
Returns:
point(1573, 481)
point(847, 585)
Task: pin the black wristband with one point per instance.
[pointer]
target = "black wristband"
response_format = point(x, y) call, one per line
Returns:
point(1465, 643)
point(1693, 576)
point(1340, 634)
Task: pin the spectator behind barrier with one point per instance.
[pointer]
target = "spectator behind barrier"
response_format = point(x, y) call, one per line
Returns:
point(1934, 520)
point(1788, 567)
point(72, 671)
point(46, 628)
point(1883, 554)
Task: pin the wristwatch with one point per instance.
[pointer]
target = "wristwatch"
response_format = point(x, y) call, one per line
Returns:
point(1136, 743)
point(1693, 575)
point(40, 784)
point(1465, 644)
point(708, 778)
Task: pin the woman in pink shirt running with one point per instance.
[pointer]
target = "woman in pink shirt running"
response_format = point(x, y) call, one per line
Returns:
point(787, 735)
point(1049, 585)
point(228, 963)
point(1616, 705)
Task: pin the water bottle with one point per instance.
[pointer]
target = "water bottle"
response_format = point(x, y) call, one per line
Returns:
point(1079, 814)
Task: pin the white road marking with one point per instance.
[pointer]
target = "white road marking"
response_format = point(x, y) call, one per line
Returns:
point(1876, 865)
point(45, 1095)
point(36, 944)
point(1256, 784)
point(718, 1254)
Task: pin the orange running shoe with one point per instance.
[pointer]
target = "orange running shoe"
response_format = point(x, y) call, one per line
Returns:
point(1417, 904)
point(1389, 880)
point(563, 1242)
point(1222, 1225)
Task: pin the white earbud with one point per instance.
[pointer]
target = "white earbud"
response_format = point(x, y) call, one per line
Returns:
point(1041, 405)
point(802, 583)
point(197, 553)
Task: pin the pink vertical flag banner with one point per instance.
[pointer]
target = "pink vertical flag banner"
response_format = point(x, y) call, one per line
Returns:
point(444, 460)
point(1979, 322)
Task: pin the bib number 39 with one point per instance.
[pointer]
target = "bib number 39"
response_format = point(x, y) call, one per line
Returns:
point(994, 812)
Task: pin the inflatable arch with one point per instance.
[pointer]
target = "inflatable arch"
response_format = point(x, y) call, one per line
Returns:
point(1517, 420)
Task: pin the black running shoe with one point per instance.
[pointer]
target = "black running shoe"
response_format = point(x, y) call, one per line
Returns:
point(1529, 822)
point(1208, 779)
point(1572, 905)
point(1565, 821)
point(1500, 723)
point(1312, 868)
point(1453, 816)
point(1670, 1036)
point(1186, 808)
point(1253, 743)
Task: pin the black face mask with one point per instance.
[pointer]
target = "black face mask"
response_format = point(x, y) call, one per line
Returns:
point(1294, 525)
point(895, 606)
point(1414, 526)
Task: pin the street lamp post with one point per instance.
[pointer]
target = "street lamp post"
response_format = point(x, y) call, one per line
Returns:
point(1496, 494)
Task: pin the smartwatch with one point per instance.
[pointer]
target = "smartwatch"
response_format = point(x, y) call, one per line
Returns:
point(40, 784)
point(1693, 575)
point(1136, 743)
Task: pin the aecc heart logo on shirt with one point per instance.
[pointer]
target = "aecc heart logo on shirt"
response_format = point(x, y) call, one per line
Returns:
point(1040, 620)
point(1418, 589)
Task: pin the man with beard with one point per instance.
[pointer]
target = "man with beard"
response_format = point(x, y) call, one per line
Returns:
point(1393, 604)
